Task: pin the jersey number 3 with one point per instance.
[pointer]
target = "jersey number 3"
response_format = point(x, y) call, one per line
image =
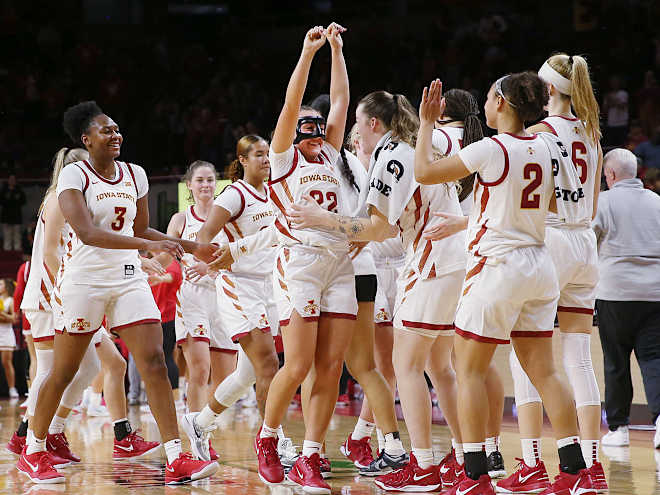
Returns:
point(530, 200)
point(330, 197)
point(118, 224)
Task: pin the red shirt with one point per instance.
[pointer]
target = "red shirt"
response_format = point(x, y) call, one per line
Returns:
point(21, 280)
point(165, 293)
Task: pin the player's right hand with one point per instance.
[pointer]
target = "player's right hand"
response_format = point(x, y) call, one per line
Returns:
point(432, 106)
point(170, 247)
point(223, 259)
point(450, 225)
point(314, 39)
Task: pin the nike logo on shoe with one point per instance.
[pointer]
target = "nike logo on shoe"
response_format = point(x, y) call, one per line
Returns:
point(34, 468)
point(444, 470)
point(463, 492)
point(127, 449)
point(417, 478)
point(299, 473)
point(522, 478)
point(580, 491)
point(168, 468)
point(348, 452)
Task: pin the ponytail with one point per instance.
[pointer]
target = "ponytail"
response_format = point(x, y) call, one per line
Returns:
point(236, 170)
point(395, 112)
point(584, 102)
point(62, 158)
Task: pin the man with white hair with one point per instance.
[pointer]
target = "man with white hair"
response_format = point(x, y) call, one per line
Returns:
point(627, 227)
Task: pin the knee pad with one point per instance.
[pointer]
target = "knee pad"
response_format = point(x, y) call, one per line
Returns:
point(524, 390)
point(576, 348)
point(90, 366)
point(44, 365)
point(238, 383)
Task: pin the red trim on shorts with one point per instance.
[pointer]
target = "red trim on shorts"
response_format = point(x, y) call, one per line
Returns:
point(61, 332)
point(480, 338)
point(569, 309)
point(426, 326)
point(294, 164)
point(383, 323)
point(226, 351)
point(134, 323)
point(235, 338)
point(44, 339)
point(198, 339)
point(505, 172)
point(342, 316)
point(538, 333)
point(284, 323)
point(552, 129)
point(448, 140)
point(117, 181)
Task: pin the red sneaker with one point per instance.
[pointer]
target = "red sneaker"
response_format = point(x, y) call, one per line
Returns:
point(325, 467)
point(343, 400)
point(482, 486)
point(411, 478)
point(270, 469)
point(306, 472)
point(451, 472)
point(212, 452)
point(185, 468)
point(525, 479)
point(598, 478)
point(16, 444)
point(132, 446)
point(571, 484)
point(358, 451)
point(39, 467)
point(58, 445)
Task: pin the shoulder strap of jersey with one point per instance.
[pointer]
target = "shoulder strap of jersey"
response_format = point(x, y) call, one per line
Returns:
point(449, 145)
point(505, 172)
point(86, 178)
point(294, 164)
point(549, 126)
point(130, 171)
point(240, 212)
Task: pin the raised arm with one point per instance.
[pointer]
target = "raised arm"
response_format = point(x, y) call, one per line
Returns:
point(428, 170)
point(285, 130)
point(339, 90)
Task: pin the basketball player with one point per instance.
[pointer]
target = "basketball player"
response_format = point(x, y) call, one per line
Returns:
point(573, 116)
point(198, 327)
point(105, 203)
point(249, 316)
point(510, 290)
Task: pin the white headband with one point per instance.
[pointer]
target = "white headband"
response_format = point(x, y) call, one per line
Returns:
point(548, 74)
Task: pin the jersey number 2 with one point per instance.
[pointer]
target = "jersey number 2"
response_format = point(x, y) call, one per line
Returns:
point(530, 200)
point(118, 224)
point(330, 196)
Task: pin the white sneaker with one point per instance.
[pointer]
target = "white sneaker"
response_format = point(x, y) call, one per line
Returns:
point(13, 393)
point(97, 411)
point(656, 439)
point(617, 438)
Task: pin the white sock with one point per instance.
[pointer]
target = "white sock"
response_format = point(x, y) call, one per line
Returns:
point(491, 445)
point(424, 457)
point(564, 442)
point(531, 450)
point(393, 445)
point(172, 450)
point(310, 448)
point(57, 425)
point(280, 433)
point(590, 451)
point(206, 417)
point(381, 440)
point(34, 444)
point(473, 447)
point(94, 399)
point(458, 451)
point(362, 429)
point(267, 431)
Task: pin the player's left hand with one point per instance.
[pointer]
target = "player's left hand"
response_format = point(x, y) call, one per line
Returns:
point(433, 103)
point(223, 259)
point(333, 34)
point(205, 252)
point(197, 271)
point(151, 267)
point(306, 213)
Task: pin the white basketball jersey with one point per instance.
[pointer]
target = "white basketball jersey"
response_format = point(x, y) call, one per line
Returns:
point(298, 178)
point(40, 283)
point(512, 193)
point(584, 155)
point(112, 205)
point(252, 213)
point(193, 224)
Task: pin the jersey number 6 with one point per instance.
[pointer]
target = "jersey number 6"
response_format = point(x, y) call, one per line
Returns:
point(330, 196)
point(528, 199)
point(118, 224)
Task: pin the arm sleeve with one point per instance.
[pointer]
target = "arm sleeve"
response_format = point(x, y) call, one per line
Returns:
point(281, 163)
point(71, 177)
point(263, 239)
point(231, 200)
point(141, 180)
point(477, 157)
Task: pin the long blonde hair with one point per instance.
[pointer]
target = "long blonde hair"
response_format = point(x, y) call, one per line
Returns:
point(62, 158)
point(395, 111)
point(584, 102)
